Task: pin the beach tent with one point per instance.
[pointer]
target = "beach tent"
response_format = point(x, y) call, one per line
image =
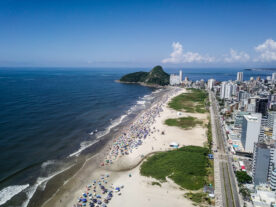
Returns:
point(174, 145)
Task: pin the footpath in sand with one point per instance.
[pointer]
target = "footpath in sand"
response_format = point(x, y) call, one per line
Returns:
point(138, 190)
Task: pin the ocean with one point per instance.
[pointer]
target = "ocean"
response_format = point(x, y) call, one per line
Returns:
point(50, 117)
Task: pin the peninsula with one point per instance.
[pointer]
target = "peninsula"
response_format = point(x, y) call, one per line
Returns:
point(156, 77)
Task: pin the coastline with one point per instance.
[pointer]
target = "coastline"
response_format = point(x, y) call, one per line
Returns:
point(69, 193)
point(141, 83)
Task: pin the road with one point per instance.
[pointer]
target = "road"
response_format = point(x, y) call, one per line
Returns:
point(229, 192)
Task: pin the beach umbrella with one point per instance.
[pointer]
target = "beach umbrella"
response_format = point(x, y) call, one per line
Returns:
point(84, 200)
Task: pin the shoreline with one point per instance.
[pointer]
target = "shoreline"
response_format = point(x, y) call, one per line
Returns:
point(69, 193)
point(61, 194)
point(142, 84)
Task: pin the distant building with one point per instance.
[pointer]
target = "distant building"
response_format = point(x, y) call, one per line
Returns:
point(228, 90)
point(174, 79)
point(243, 95)
point(240, 76)
point(274, 77)
point(211, 83)
point(250, 131)
point(234, 89)
point(222, 90)
point(180, 76)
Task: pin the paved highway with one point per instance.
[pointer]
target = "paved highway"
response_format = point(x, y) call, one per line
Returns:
point(228, 184)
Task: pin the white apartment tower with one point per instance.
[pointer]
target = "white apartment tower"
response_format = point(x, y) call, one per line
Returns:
point(222, 90)
point(274, 77)
point(211, 83)
point(180, 76)
point(228, 90)
point(240, 76)
point(251, 126)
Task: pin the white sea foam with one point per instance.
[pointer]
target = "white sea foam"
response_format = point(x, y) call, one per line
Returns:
point(41, 180)
point(113, 124)
point(47, 163)
point(148, 97)
point(83, 146)
point(10, 191)
point(141, 102)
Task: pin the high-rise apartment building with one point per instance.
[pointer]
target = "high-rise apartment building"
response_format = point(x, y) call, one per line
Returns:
point(240, 76)
point(251, 126)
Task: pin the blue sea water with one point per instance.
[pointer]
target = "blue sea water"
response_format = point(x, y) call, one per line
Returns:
point(47, 114)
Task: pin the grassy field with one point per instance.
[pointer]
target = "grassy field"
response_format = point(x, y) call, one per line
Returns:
point(198, 198)
point(193, 101)
point(184, 122)
point(186, 166)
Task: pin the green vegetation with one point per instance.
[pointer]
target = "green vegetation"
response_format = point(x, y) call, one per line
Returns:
point(156, 76)
point(243, 177)
point(156, 183)
point(186, 166)
point(134, 77)
point(210, 169)
point(245, 192)
point(193, 101)
point(184, 122)
point(198, 198)
point(209, 135)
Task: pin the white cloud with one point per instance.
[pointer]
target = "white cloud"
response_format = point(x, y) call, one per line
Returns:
point(267, 51)
point(237, 56)
point(178, 56)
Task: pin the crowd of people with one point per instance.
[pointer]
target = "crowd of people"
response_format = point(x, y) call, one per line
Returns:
point(99, 193)
point(138, 131)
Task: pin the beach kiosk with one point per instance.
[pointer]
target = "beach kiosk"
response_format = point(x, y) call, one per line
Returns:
point(174, 145)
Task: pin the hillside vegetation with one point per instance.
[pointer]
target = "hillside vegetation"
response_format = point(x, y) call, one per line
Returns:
point(156, 76)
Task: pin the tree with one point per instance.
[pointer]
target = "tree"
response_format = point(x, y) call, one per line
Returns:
point(243, 177)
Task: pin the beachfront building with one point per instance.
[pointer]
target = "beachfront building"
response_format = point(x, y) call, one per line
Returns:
point(228, 91)
point(263, 197)
point(262, 106)
point(211, 83)
point(271, 123)
point(240, 76)
point(176, 79)
point(251, 126)
point(222, 90)
point(260, 165)
point(274, 77)
point(264, 163)
point(272, 181)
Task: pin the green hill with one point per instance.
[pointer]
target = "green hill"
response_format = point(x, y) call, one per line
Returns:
point(156, 76)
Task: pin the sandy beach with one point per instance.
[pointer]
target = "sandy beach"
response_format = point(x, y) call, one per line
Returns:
point(135, 190)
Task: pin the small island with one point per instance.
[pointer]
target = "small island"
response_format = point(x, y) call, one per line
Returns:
point(155, 78)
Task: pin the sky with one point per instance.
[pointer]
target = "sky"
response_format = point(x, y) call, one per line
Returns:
point(106, 33)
